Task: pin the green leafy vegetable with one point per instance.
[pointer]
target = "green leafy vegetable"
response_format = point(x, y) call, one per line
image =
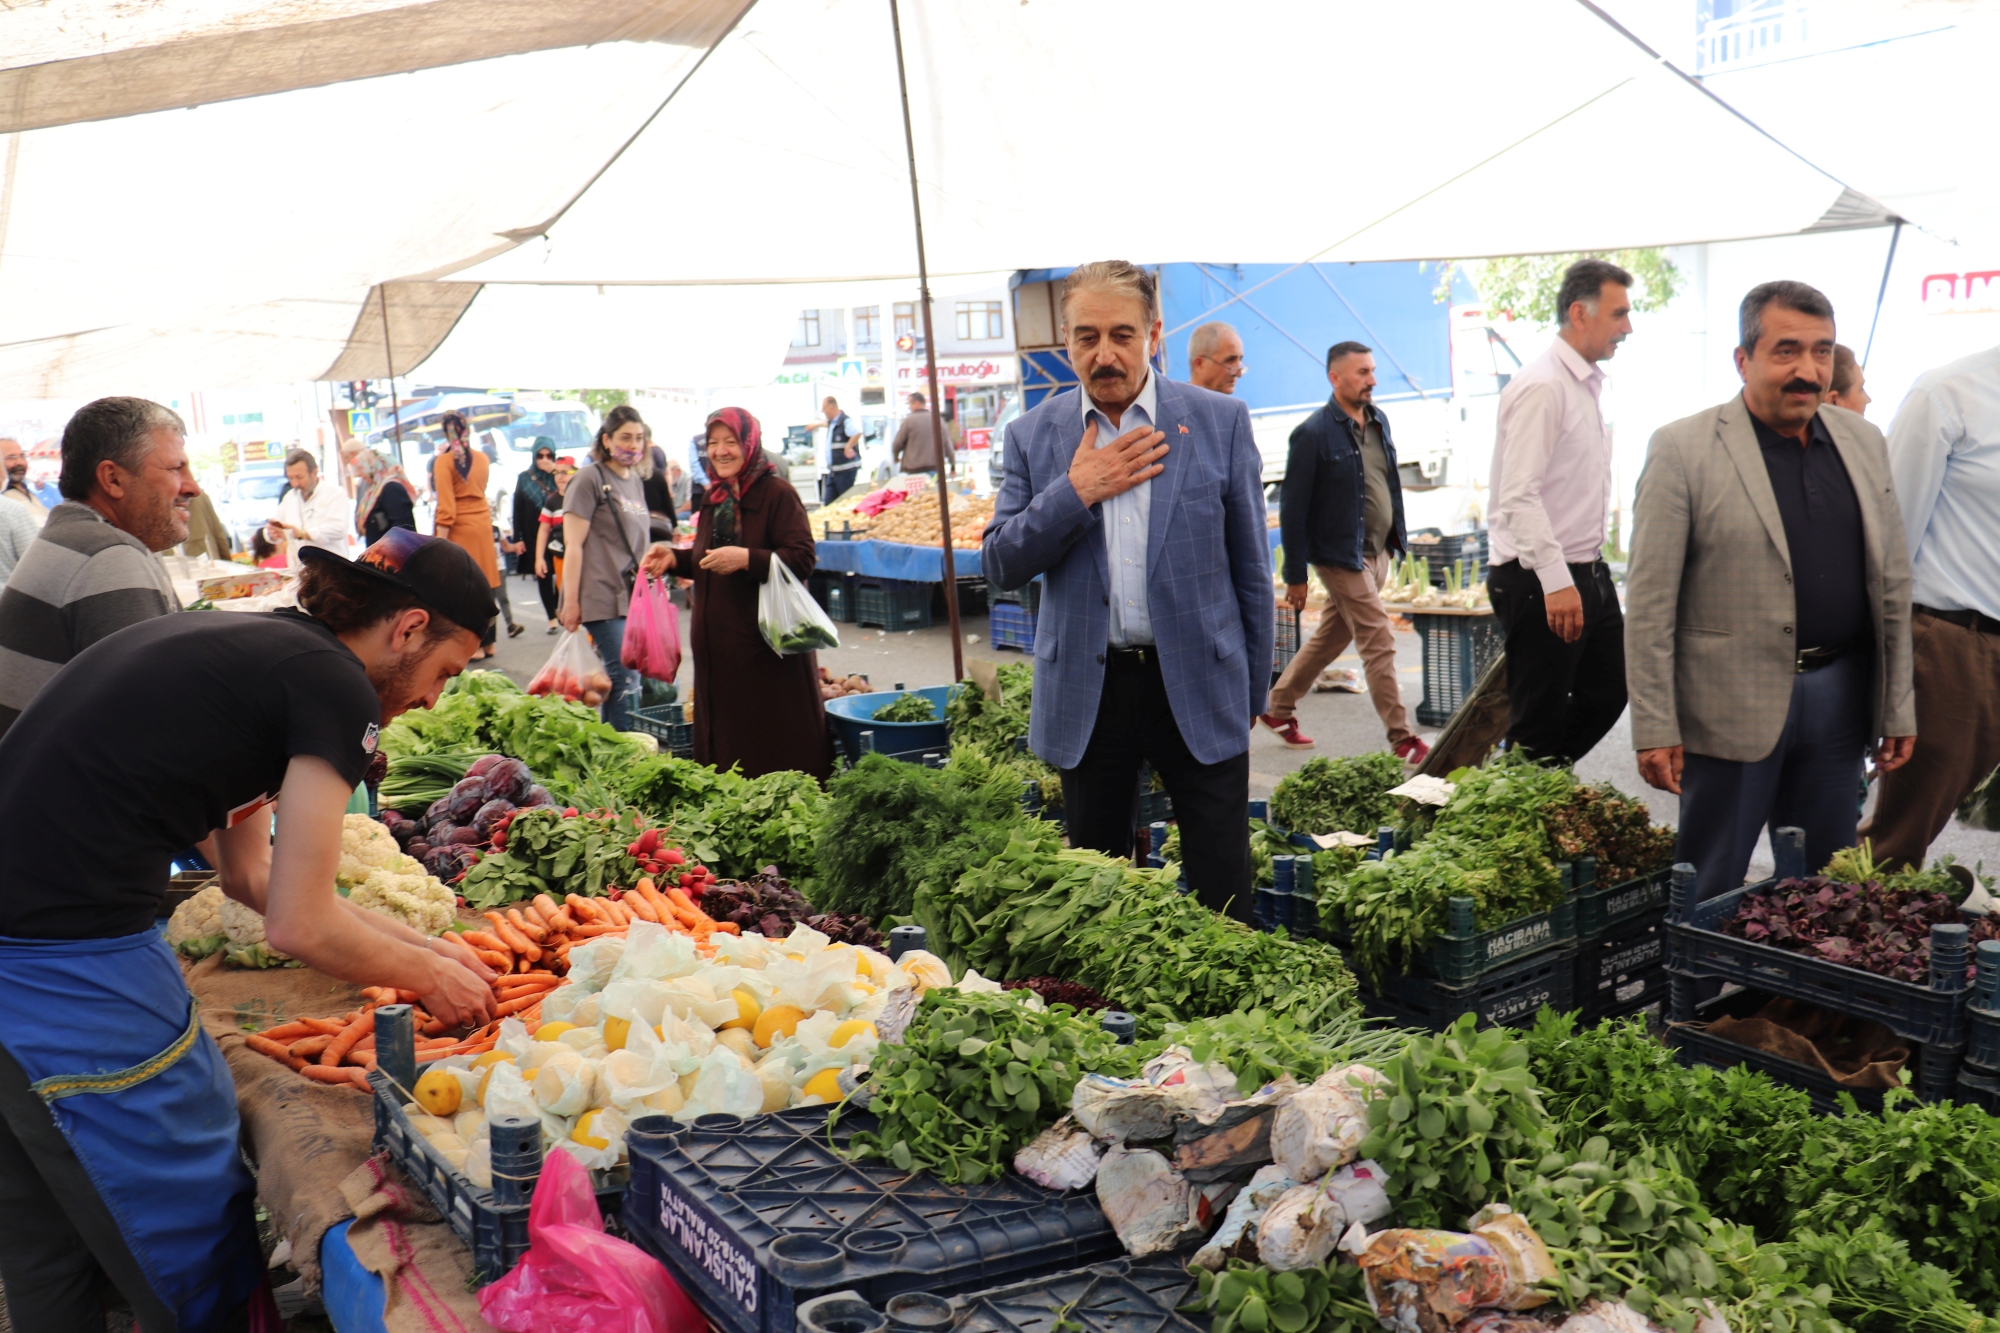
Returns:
point(549, 853)
point(907, 708)
point(1259, 1048)
point(1338, 795)
point(1250, 1298)
point(746, 824)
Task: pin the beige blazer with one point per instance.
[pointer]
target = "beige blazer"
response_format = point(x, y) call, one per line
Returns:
point(1710, 642)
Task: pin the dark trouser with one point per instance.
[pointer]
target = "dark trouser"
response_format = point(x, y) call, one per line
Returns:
point(551, 594)
point(1811, 780)
point(837, 481)
point(1957, 676)
point(1562, 697)
point(504, 602)
point(57, 1239)
point(1135, 723)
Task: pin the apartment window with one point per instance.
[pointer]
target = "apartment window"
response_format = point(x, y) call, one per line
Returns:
point(906, 319)
point(868, 326)
point(979, 321)
point(808, 334)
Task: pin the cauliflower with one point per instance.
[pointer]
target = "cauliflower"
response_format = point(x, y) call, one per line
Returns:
point(245, 945)
point(365, 846)
point(195, 929)
point(409, 895)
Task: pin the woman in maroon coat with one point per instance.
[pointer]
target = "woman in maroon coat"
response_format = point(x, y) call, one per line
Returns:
point(751, 706)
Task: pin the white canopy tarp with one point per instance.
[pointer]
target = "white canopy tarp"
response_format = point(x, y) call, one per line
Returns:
point(238, 241)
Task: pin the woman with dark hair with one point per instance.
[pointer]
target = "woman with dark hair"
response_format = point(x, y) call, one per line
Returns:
point(458, 475)
point(605, 527)
point(533, 490)
point(383, 496)
point(751, 706)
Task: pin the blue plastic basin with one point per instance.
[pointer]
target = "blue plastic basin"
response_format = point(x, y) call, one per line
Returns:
point(855, 713)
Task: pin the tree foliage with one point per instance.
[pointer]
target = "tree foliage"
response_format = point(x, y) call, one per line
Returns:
point(1526, 285)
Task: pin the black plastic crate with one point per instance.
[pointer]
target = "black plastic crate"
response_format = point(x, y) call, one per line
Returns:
point(1288, 641)
point(1608, 907)
point(1456, 649)
point(1977, 1087)
point(1509, 997)
point(1693, 1046)
point(1010, 625)
point(1118, 1296)
point(892, 604)
point(497, 1236)
point(1461, 953)
point(833, 589)
point(1932, 1015)
point(1622, 971)
point(1028, 596)
point(1466, 550)
point(757, 1216)
point(1982, 1037)
point(667, 724)
point(971, 599)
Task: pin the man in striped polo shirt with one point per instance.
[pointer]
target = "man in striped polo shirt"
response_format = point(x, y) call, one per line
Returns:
point(126, 485)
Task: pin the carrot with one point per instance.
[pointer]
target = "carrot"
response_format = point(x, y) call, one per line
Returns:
point(408, 996)
point(592, 932)
point(338, 1048)
point(562, 921)
point(546, 905)
point(586, 910)
point(685, 909)
point(286, 1031)
point(276, 1050)
point(330, 1026)
point(495, 958)
point(654, 899)
point(533, 930)
point(480, 939)
point(433, 1043)
point(516, 1005)
point(353, 1078)
point(311, 1045)
point(515, 940)
point(640, 908)
point(434, 1027)
point(728, 928)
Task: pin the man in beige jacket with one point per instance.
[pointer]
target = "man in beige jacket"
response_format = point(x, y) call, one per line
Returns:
point(1767, 619)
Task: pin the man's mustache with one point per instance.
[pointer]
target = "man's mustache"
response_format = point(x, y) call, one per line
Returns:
point(1799, 385)
point(1108, 373)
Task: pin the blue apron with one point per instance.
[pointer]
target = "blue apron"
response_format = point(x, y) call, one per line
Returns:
point(111, 1040)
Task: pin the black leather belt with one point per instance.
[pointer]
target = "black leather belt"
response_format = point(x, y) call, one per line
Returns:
point(1972, 620)
point(1812, 659)
point(1138, 656)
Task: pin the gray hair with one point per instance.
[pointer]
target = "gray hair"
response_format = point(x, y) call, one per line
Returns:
point(301, 456)
point(1584, 281)
point(117, 430)
point(1786, 295)
point(1204, 340)
point(1119, 275)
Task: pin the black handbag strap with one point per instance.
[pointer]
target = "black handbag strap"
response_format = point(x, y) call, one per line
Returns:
point(605, 497)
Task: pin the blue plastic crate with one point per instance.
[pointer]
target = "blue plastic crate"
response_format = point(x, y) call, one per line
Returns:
point(497, 1236)
point(1011, 626)
point(1982, 1037)
point(1117, 1296)
point(1461, 953)
point(1932, 1015)
point(757, 1216)
point(1694, 1045)
point(667, 724)
point(1509, 997)
point(1456, 649)
point(1607, 907)
point(892, 604)
point(1978, 1087)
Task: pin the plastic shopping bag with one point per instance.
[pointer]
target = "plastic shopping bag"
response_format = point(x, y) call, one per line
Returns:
point(574, 670)
point(790, 620)
point(652, 631)
point(576, 1278)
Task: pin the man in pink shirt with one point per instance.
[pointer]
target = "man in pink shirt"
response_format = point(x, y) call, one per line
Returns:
point(1551, 492)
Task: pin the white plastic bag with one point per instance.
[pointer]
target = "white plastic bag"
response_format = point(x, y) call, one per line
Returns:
point(788, 617)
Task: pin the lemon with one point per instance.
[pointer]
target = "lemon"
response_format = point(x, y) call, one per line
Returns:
point(616, 1030)
point(550, 1031)
point(848, 1031)
point(780, 1020)
point(492, 1058)
point(747, 1010)
point(439, 1092)
point(824, 1085)
point(583, 1134)
point(486, 1077)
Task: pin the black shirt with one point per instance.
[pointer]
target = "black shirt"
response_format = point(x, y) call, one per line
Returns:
point(151, 738)
point(843, 446)
point(1823, 531)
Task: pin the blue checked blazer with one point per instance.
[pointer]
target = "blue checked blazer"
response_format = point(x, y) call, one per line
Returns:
point(1208, 572)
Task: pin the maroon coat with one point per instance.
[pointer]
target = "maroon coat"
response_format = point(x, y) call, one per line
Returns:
point(751, 706)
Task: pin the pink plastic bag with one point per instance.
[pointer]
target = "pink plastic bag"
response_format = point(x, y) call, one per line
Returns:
point(576, 1278)
point(652, 631)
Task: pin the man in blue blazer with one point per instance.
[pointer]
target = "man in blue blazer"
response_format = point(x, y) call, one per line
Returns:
point(1154, 642)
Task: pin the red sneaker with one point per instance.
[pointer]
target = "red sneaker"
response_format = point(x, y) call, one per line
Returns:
point(1412, 750)
point(1287, 731)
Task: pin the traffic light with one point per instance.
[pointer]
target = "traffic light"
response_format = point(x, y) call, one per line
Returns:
point(906, 343)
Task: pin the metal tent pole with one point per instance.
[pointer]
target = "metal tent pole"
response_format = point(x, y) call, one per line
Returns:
point(389, 356)
point(1895, 234)
point(930, 359)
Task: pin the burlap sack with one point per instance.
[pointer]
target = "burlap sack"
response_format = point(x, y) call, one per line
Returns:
point(1853, 1052)
point(426, 1271)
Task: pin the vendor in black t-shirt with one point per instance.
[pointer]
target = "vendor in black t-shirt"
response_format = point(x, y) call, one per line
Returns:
point(118, 1124)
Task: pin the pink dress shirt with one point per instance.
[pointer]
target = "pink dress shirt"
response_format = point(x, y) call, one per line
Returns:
point(1551, 468)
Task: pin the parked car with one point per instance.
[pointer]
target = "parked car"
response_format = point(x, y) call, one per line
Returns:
point(247, 501)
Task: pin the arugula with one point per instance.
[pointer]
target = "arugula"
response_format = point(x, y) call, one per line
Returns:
point(746, 824)
point(907, 708)
point(548, 852)
point(1259, 1048)
point(978, 720)
point(1338, 795)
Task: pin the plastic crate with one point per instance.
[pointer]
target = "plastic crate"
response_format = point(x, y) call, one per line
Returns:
point(1286, 646)
point(497, 1236)
point(1466, 549)
point(1155, 807)
point(1118, 1296)
point(1509, 997)
point(1456, 649)
point(1982, 1037)
point(1608, 907)
point(855, 713)
point(1694, 1046)
point(1462, 953)
point(1028, 597)
point(667, 724)
point(833, 589)
point(892, 604)
point(971, 599)
point(755, 1217)
point(1622, 971)
point(1979, 1088)
point(1010, 625)
point(1932, 1015)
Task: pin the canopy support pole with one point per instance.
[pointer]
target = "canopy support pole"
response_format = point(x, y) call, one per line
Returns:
point(930, 360)
point(389, 356)
point(1895, 234)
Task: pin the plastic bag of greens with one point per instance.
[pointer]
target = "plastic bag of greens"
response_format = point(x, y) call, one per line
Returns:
point(790, 620)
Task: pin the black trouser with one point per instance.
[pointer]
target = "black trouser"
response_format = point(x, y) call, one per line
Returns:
point(57, 1239)
point(1562, 697)
point(838, 480)
point(1136, 724)
point(551, 595)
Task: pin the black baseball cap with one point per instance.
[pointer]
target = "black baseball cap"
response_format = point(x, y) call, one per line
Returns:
point(440, 574)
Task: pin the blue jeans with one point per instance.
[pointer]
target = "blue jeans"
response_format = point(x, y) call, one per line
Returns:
point(1811, 780)
point(609, 637)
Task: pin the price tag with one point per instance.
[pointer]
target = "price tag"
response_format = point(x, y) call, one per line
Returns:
point(1425, 790)
point(1324, 841)
point(986, 675)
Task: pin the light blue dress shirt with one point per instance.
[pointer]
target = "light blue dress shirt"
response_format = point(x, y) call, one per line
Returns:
point(1128, 517)
point(1944, 457)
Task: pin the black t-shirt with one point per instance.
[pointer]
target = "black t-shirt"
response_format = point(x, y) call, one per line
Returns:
point(1824, 532)
point(153, 737)
point(552, 516)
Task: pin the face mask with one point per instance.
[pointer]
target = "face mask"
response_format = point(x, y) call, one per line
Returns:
point(626, 455)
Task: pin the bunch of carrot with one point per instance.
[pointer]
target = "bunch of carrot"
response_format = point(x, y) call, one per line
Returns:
point(543, 931)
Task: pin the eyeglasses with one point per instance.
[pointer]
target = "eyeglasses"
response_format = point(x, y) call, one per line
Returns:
point(539, 457)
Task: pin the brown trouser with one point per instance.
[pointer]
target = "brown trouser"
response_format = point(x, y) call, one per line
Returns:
point(1354, 615)
point(1957, 678)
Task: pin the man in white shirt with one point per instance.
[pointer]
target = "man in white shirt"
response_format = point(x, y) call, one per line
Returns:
point(311, 513)
point(1944, 457)
point(1551, 589)
point(1215, 357)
